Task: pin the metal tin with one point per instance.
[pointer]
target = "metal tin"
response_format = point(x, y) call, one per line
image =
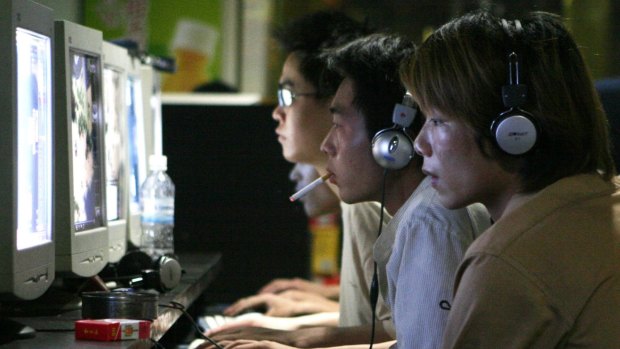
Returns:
point(119, 305)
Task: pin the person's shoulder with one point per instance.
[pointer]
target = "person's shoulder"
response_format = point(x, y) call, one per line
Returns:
point(425, 208)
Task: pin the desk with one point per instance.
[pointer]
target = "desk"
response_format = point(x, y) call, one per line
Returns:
point(200, 270)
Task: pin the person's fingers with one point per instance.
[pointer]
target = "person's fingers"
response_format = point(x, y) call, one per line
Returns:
point(276, 286)
point(247, 303)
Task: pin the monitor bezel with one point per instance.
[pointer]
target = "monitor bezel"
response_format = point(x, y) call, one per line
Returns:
point(134, 228)
point(117, 58)
point(27, 273)
point(83, 253)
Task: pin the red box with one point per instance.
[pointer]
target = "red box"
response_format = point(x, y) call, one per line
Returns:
point(112, 329)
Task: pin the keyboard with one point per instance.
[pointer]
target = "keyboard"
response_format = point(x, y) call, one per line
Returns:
point(208, 322)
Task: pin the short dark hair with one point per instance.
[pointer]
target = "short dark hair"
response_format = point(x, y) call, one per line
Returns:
point(373, 65)
point(309, 35)
point(460, 69)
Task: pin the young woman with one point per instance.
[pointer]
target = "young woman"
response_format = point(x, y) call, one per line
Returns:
point(513, 121)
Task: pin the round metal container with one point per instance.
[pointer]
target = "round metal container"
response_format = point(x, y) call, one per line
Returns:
point(119, 305)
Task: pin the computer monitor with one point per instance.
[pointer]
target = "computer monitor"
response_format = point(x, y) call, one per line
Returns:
point(115, 63)
point(80, 221)
point(137, 148)
point(26, 149)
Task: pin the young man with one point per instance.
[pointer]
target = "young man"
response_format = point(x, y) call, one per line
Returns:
point(425, 241)
point(534, 149)
point(303, 121)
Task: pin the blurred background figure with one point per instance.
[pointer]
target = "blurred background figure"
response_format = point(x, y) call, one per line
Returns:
point(320, 200)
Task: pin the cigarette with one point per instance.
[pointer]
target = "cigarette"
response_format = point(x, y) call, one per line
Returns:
point(305, 190)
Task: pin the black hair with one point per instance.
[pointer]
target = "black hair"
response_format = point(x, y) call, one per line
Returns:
point(373, 65)
point(309, 35)
point(460, 69)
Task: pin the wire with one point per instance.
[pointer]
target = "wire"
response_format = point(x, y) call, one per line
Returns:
point(157, 344)
point(179, 306)
point(374, 285)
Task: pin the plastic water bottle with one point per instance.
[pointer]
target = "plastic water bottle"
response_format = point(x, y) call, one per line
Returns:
point(157, 204)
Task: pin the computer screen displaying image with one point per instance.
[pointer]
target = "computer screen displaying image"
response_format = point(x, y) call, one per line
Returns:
point(80, 220)
point(27, 253)
point(137, 147)
point(115, 155)
point(115, 62)
point(85, 120)
point(34, 139)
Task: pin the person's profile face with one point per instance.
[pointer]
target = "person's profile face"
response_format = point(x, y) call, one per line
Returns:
point(304, 123)
point(348, 149)
point(320, 200)
point(459, 172)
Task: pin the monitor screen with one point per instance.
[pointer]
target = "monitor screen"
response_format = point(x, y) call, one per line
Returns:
point(86, 118)
point(80, 221)
point(115, 65)
point(27, 143)
point(137, 151)
point(34, 138)
point(115, 142)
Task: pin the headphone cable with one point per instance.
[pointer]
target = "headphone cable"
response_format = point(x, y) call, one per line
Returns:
point(374, 285)
point(179, 306)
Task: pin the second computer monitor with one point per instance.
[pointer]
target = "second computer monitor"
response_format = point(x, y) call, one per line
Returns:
point(80, 217)
point(137, 147)
point(115, 65)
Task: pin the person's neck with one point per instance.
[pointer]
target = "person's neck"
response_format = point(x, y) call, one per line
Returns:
point(504, 200)
point(517, 200)
point(399, 187)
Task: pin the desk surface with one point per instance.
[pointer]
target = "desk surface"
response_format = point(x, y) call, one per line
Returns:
point(200, 270)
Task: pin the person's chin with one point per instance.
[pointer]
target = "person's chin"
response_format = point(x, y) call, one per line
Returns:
point(450, 202)
point(289, 156)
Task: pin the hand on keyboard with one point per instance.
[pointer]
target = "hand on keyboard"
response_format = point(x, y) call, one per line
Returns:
point(218, 323)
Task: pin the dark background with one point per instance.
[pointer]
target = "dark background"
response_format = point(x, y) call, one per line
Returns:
point(232, 192)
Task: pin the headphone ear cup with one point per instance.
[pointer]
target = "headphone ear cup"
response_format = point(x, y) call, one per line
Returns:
point(169, 272)
point(514, 132)
point(392, 149)
point(133, 262)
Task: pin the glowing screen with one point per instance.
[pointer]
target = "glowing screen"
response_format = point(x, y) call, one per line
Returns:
point(34, 136)
point(135, 119)
point(114, 142)
point(86, 121)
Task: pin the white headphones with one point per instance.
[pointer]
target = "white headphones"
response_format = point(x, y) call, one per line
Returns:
point(514, 130)
point(392, 147)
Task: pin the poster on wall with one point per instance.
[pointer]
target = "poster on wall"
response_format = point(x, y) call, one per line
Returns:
point(188, 31)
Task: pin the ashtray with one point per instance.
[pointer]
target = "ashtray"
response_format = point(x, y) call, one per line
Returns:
point(119, 305)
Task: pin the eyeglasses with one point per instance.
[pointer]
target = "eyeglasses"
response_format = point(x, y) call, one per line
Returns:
point(286, 97)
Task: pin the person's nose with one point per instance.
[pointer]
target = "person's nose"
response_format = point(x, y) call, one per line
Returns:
point(278, 114)
point(327, 146)
point(421, 145)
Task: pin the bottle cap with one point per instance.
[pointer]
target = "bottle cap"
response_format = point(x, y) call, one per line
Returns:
point(158, 162)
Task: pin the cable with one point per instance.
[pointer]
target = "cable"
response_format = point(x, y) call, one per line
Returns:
point(156, 344)
point(179, 306)
point(374, 285)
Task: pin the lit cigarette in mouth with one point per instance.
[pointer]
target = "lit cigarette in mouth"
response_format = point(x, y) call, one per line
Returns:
point(305, 190)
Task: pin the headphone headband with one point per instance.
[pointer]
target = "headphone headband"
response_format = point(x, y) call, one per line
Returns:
point(514, 130)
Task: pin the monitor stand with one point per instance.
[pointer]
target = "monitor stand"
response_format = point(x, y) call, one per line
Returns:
point(13, 330)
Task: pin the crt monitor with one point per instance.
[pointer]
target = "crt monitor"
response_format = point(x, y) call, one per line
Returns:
point(26, 115)
point(115, 63)
point(137, 147)
point(80, 216)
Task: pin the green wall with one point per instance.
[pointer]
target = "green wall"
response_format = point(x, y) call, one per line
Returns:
point(112, 17)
